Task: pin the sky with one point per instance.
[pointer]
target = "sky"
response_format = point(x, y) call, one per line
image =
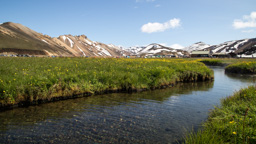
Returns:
point(175, 23)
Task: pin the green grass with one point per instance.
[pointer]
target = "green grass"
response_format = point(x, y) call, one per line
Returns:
point(242, 68)
point(233, 122)
point(34, 79)
point(212, 62)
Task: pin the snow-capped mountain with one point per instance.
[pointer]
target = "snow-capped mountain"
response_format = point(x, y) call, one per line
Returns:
point(243, 46)
point(156, 49)
point(196, 46)
point(236, 46)
point(16, 38)
point(135, 49)
point(85, 47)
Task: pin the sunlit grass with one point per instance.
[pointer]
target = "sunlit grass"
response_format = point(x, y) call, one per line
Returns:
point(32, 79)
point(242, 67)
point(233, 122)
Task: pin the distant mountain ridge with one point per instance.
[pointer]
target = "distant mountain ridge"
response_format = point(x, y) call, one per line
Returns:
point(196, 46)
point(16, 38)
point(243, 46)
point(19, 39)
point(156, 49)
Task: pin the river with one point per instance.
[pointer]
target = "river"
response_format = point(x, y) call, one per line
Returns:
point(158, 116)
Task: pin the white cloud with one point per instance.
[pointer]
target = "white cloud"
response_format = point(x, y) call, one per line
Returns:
point(248, 21)
point(158, 5)
point(160, 27)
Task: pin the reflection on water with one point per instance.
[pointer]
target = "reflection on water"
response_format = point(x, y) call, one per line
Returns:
point(160, 116)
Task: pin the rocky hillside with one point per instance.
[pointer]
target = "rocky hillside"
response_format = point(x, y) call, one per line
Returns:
point(196, 47)
point(18, 39)
point(240, 47)
point(236, 46)
point(135, 49)
point(157, 49)
point(85, 47)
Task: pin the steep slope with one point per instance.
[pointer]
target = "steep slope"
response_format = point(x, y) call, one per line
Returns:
point(19, 39)
point(243, 46)
point(22, 40)
point(236, 46)
point(196, 47)
point(85, 47)
point(135, 49)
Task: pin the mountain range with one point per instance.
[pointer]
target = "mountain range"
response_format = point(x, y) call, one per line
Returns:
point(157, 49)
point(18, 39)
point(238, 47)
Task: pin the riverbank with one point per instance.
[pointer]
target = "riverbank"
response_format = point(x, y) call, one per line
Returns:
point(242, 68)
point(238, 66)
point(26, 81)
point(224, 61)
point(232, 122)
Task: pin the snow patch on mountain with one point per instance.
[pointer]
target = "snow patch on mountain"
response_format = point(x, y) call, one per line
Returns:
point(135, 50)
point(197, 46)
point(45, 41)
point(102, 50)
point(64, 38)
point(71, 42)
point(88, 42)
point(81, 50)
point(155, 49)
point(242, 42)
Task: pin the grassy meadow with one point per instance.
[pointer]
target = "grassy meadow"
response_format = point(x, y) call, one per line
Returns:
point(232, 122)
point(242, 68)
point(42, 79)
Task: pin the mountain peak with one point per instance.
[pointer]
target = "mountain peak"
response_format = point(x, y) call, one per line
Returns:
point(23, 40)
point(197, 46)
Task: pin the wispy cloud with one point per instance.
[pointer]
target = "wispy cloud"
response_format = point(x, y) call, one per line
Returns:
point(248, 21)
point(248, 31)
point(158, 5)
point(160, 27)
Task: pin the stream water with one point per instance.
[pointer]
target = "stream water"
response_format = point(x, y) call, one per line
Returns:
point(159, 116)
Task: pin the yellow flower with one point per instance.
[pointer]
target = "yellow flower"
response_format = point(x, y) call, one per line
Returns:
point(234, 133)
point(3, 91)
point(231, 122)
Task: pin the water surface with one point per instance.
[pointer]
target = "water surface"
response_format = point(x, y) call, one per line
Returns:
point(159, 116)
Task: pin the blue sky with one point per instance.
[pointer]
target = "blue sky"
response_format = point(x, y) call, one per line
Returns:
point(137, 22)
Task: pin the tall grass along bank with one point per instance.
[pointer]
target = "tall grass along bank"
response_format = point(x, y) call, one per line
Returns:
point(233, 122)
point(212, 62)
point(242, 68)
point(33, 80)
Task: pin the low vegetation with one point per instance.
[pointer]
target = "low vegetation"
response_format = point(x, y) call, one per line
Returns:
point(232, 122)
point(32, 80)
point(242, 68)
point(212, 62)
